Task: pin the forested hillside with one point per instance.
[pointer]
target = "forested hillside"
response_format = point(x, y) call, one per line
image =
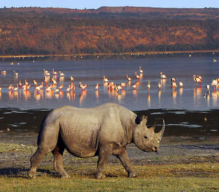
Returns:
point(106, 30)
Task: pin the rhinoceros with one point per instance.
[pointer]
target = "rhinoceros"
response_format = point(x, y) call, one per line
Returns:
point(100, 131)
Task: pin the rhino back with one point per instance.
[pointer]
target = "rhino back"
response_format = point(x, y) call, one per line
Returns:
point(83, 129)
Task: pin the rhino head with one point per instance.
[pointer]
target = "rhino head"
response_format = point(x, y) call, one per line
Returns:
point(145, 138)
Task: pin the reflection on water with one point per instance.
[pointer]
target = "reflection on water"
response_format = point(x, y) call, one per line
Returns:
point(149, 100)
point(181, 91)
point(159, 95)
point(61, 79)
point(163, 83)
point(215, 98)
point(136, 91)
point(71, 95)
point(97, 94)
point(27, 94)
point(123, 93)
point(128, 84)
point(82, 96)
point(198, 97)
point(208, 100)
point(174, 94)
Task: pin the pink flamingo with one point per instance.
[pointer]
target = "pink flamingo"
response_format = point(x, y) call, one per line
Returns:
point(128, 78)
point(16, 88)
point(20, 84)
point(118, 88)
point(105, 79)
point(181, 84)
point(97, 87)
point(54, 82)
point(137, 76)
point(214, 83)
point(54, 72)
point(35, 83)
point(162, 76)
point(198, 80)
point(72, 79)
point(140, 70)
point(173, 79)
point(134, 86)
point(174, 85)
point(3, 72)
point(10, 87)
point(123, 85)
point(83, 87)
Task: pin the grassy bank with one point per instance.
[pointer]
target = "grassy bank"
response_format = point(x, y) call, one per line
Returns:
point(177, 177)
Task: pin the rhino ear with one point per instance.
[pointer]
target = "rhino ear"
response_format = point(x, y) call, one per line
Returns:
point(142, 119)
point(138, 120)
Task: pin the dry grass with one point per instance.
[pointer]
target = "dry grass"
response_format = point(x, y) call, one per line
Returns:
point(177, 177)
point(7, 147)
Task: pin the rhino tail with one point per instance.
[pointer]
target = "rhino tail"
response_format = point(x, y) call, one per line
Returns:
point(41, 129)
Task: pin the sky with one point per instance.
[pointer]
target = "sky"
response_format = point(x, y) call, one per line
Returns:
point(94, 4)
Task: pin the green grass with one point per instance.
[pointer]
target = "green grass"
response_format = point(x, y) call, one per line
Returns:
point(110, 184)
point(177, 177)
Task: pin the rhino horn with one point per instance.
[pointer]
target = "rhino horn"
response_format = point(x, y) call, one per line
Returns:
point(153, 127)
point(160, 134)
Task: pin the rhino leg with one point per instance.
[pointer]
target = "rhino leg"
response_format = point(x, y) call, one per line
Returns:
point(104, 153)
point(47, 143)
point(58, 161)
point(123, 157)
point(35, 160)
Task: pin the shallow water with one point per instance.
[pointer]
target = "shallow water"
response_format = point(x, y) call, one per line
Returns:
point(90, 72)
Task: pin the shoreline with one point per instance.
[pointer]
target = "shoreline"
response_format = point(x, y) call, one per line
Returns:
point(110, 54)
point(182, 126)
point(18, 154)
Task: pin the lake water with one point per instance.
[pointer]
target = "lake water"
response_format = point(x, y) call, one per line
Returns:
point(91, 71)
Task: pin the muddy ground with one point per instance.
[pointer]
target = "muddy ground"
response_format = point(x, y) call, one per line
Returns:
point(173, 150)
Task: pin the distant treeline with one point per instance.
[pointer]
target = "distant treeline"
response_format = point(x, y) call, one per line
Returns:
point(37, 31)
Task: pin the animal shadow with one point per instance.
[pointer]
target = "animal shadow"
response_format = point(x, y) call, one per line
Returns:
point(23, 172)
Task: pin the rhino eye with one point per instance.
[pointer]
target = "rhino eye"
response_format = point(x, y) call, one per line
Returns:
point(145, 137)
